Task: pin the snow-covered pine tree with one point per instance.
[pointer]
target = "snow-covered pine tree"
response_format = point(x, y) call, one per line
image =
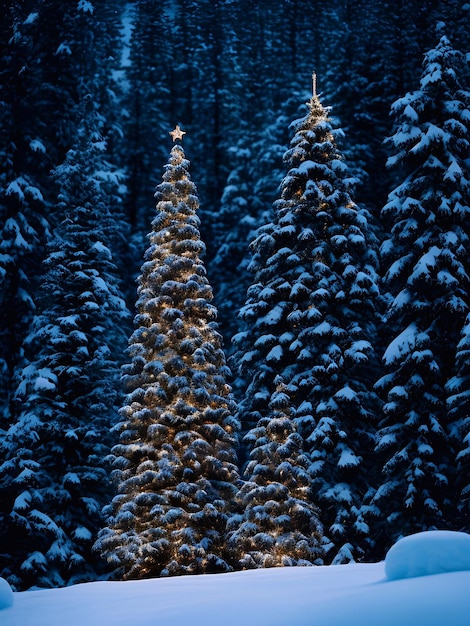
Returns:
point(52, 472)
point(276, 523)
point(24, 209)
point(175, 463)
point(427, 283)
point(309, 318)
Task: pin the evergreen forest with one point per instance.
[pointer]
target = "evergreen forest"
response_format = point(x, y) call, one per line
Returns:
point(234, 283)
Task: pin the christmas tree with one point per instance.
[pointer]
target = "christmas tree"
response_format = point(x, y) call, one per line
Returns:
point(310, 316)
point(175, 463)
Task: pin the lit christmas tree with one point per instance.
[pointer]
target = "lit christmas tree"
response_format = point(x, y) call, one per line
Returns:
point(175, 463)
point(310, 320)
point(279, 525)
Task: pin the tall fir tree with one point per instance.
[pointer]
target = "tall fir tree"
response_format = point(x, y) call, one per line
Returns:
point(309, 317)
point(51, 53)
point(427, 284)
point(175, 463)
point(24, 206)
point(52, 474)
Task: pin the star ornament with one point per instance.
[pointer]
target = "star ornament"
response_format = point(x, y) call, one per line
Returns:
point(177, 133)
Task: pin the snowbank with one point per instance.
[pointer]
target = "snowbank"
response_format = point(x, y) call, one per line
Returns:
point(6, 594)
point(431, 552)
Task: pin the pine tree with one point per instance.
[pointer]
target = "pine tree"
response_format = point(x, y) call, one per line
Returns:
point(24, 208)
point(427, 281)
point(175, 463)
point(309, 317)
point(52, 470)
point(277, 524)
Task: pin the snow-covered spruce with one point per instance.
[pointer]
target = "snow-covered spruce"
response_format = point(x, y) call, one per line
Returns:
point(421, 447)
point(51, 466)
point(175, 463)
point(309, 322)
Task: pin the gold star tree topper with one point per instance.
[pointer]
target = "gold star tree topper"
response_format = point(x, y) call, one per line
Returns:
point(177, 133)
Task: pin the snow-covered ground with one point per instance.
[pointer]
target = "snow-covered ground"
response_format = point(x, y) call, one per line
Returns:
point(409, 589)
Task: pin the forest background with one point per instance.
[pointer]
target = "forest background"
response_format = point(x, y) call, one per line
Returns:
point(90, 91)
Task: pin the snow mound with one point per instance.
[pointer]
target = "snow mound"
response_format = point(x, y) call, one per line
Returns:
point(6, 594)
point(430, 552)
